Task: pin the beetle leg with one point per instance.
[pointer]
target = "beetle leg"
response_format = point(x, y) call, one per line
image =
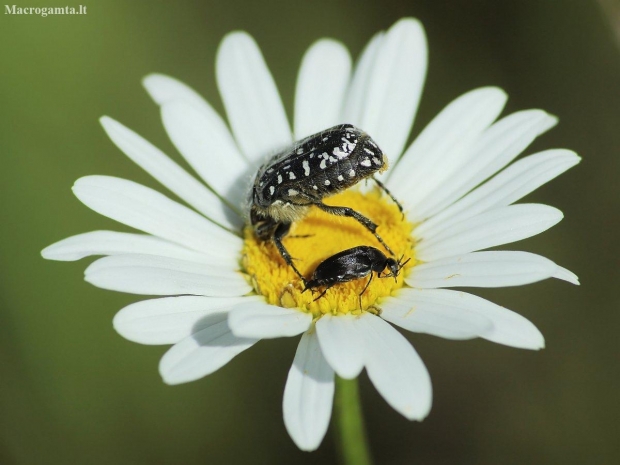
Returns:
point(361, 219)
point(323, 293)
point(281, 231)
point(386, 190)
point(309, 285)
point(364, 290)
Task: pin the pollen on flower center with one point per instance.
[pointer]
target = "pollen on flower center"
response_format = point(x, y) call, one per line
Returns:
point(319, 236)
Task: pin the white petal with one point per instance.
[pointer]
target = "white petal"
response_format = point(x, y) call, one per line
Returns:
point(509, 328)
point(395, 85)
point(165, 89)
point(395, 368)
point(117, 243)
point(252, 102)
point(308, 395)
point(512, 184)
point(152, 275)
point(262, 321)
point(428, 311)
point(444, 145)
point(356, 97)
point(497, 147)
point(566, 275)
point(496, 227)
point(170, 319)
point(171, 175)
point(202, 353)
point(146, 209)
point(342, 346)
point(321, 85)
point(483, 269)
point(206, 143)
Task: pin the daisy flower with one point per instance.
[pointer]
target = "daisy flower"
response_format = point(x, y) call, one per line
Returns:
point(225, 290)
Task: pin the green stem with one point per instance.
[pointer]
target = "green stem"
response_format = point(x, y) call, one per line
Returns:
point(352, 439)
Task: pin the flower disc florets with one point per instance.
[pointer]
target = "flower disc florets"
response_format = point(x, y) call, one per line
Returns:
point(319, 236)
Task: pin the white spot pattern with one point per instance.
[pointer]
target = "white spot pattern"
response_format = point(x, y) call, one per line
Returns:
point(344, 151)
point(306, 168)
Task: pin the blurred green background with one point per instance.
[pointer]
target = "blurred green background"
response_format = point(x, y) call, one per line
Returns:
point(73, 391)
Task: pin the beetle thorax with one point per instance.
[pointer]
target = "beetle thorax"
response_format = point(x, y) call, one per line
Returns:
point(285, 212)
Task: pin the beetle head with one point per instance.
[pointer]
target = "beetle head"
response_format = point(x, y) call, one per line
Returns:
point(263, 225)
point(395, 266)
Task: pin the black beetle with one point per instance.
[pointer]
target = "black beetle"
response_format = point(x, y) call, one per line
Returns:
point(355, 263)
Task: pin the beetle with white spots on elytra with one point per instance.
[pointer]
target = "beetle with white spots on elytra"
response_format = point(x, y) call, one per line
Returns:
point(321, 165)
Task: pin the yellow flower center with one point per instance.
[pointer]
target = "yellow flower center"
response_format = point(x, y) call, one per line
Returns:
point(319, 236)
